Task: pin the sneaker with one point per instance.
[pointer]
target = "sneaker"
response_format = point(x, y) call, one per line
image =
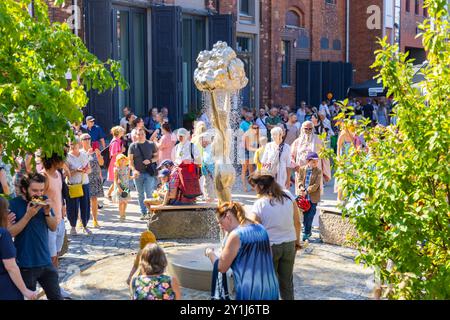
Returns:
point(65, 294)
point(73, 232)
point(143, 217)
point(122, 219)
point(87, 231)
point(96, 224)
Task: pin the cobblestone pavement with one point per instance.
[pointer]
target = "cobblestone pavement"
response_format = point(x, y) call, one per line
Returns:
point(96, 266)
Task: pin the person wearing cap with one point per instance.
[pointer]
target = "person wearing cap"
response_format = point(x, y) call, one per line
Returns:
point(310, 177)
point(160, 195)
point(185, 151)
point(96, 132)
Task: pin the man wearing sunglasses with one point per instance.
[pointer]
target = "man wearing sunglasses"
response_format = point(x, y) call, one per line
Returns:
point(308, 142)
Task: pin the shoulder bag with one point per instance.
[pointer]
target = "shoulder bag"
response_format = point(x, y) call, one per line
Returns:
point(219, 285)
point(150, 168)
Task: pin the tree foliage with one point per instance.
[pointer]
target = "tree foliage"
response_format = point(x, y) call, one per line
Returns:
point(398, 191)
point(36, 100)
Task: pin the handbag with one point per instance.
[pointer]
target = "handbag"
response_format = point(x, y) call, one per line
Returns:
point(303, 203)
point(150, 168)
point(219, 285)
point(76, 190)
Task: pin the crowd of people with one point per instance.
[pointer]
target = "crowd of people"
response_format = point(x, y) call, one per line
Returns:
point(281, 146)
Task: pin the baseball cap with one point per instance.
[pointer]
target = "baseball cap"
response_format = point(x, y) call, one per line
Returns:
point(166, 163)
point(312, 156)
point(164, 173)
point(90, 118)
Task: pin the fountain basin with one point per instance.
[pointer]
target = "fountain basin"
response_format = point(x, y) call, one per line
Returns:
point(192, 268)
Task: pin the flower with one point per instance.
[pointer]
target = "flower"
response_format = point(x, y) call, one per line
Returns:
point(165, 285)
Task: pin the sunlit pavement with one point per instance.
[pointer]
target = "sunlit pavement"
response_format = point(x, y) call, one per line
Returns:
point(97, 266)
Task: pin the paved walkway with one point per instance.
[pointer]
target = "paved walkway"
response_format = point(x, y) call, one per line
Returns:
point(97, 266)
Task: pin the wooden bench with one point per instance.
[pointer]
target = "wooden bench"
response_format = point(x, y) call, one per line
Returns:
point(194, 221)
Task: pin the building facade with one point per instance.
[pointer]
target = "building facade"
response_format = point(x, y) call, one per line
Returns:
point(396, 19)
point(293, 50)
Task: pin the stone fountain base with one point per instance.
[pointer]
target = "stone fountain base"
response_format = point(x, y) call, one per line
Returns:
point(184, 224)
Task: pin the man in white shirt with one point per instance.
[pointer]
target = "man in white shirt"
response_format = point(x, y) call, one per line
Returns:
point(324, 107)
point(123, 122)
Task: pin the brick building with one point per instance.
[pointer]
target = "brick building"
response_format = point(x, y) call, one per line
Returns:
point(293, 50)
point(298, 30)
point(398, 21)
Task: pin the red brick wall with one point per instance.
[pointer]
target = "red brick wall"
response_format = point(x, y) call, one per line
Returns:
point(60, 14)
point(320, 20)
point(409, 21)
point(363, 42)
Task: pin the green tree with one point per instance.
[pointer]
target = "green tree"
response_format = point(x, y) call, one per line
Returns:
point(398, 190)
point(36, 100)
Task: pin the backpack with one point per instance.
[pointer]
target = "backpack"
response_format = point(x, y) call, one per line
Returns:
point(190, 178)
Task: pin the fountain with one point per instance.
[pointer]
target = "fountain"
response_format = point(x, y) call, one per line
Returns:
point(220, 75)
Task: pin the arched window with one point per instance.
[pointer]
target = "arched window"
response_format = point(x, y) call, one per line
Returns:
point(293, 19)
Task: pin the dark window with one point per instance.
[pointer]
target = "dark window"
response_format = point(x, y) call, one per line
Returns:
point(286, 63)
point(416, 7)
point(194, 41)
point(244, 7)
point(129, 48)
point(337, 44)
point(293, 19)
point(330, 1)
point(425, 12)
point(324, 43)
point(407, 6)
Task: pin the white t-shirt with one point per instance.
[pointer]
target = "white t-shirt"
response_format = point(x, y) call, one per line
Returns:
point(278, 219)
point(271, 158)
point(182, 152)
point(123, 123)
point(75, 163)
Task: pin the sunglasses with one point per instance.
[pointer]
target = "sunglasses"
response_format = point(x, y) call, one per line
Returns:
point(308, 129)
point(86, 139)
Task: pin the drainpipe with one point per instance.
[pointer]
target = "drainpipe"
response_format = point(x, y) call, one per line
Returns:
point(75, 3)
point(347, 31)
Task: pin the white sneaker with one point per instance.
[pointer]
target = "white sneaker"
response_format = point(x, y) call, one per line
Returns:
point(64, 293)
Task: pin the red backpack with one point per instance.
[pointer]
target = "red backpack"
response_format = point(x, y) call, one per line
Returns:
point(190, 179)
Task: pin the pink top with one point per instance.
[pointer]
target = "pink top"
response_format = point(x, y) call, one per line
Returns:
point(115, 148)
point(54, 193)
point(165, 147)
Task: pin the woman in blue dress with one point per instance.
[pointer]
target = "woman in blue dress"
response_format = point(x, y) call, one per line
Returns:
point(247, 251)
point(12, 286)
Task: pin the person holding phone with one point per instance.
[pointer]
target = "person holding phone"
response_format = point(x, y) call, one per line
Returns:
point(34, 218)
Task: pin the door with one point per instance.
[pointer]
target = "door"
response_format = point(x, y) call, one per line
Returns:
point(167, 61)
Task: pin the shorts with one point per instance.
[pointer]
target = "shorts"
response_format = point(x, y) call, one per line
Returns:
point(56, 239)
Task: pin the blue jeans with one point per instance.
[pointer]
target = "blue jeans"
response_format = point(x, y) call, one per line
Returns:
point(145, 185)
point(308, 218)
point(83, 203)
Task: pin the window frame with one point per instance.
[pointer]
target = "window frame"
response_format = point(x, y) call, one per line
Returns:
point(286, 80)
